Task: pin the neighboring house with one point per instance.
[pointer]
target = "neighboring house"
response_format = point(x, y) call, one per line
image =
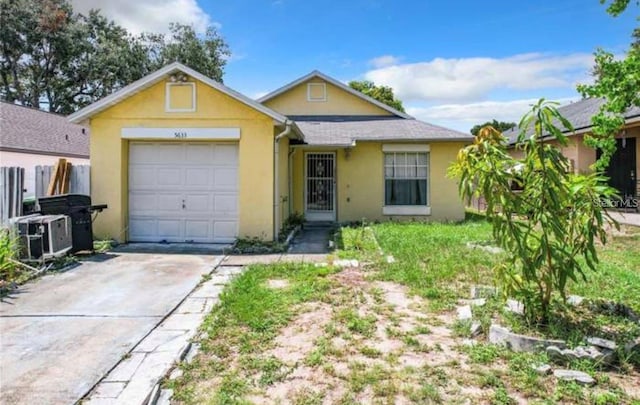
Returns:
point(625, 163)
point(179, 157)
point(30, 137)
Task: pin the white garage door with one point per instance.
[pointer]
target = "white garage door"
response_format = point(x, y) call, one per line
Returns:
point(183, 192)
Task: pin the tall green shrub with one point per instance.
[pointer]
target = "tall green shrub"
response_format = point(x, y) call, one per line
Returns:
point(550, 228)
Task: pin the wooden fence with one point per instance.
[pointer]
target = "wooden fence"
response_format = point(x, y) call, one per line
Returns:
point(12, 184)
point(79, 182)
point(11, 192)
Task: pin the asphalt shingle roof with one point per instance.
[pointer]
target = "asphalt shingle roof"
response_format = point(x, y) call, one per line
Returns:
point(31, 130)
point(344, 130)
point(579, 115)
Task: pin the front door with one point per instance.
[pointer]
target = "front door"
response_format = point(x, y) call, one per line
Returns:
point(622, 168)
point(320, 186)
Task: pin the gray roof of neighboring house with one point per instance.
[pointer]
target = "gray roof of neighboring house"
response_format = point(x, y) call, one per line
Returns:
point(26, 129)
point(345, 130)
point(579, 114)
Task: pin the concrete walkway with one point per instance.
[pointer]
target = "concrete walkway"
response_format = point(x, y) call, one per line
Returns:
point(62, 333)
point(312, 239)
point(626, 218)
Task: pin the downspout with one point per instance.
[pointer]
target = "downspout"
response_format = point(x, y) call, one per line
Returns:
point(290, 182)
point(276, 175)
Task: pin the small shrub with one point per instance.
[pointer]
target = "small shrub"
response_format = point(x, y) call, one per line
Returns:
point(294, 220)
point(9, 250)
point(103, 245)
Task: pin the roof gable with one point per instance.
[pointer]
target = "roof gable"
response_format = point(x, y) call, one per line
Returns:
point(319, 76)
point(160, 75)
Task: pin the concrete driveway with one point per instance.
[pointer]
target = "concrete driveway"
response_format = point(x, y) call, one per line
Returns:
point(60, 334)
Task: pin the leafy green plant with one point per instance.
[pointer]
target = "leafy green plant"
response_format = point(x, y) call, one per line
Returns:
point(103, 245)
point(550, 228)
point(617, 80)
point(9, 268)
point(292, 221)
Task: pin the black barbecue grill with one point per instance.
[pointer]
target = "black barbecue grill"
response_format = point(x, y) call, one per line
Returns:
point(78, 207)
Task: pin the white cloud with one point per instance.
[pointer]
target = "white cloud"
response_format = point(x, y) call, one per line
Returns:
point(149, 15)
point(384, 61)
point(465, 116)
point(474, 79)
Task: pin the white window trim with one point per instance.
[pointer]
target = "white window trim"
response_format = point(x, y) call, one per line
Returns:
point(316, 100)
point(406, 210)
point(167, 97)
point(409, 210)
point(405, 147)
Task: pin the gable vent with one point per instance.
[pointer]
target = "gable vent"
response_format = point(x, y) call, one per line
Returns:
point(316, 92)
point(180, 97)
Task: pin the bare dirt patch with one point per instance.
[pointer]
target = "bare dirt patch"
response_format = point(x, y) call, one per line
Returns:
point(297, 339)
point(351, 276)
point(371, 345)
point(373, 342)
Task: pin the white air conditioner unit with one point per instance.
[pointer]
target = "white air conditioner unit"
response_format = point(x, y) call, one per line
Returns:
point(44, 237)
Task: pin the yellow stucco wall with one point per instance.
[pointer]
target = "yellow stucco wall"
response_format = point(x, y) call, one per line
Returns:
point(109, 154)
point(339, 102)
point(360, 183)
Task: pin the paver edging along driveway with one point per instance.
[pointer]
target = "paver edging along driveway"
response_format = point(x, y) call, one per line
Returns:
point(62, 333)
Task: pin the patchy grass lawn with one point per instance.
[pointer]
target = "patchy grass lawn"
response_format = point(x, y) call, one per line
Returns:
point(387, 332)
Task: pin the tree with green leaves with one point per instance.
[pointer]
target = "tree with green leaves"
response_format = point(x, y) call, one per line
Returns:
point(208, 54)
point(550, 228)
point(384, 94)
point(618, 81)
point(55, 59)
point(501, 126)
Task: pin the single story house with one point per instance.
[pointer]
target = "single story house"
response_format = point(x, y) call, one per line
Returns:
point(179, 157)
point(624, 164)
point(30, 137)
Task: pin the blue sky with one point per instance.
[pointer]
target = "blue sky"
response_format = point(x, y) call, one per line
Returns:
point(452, 63)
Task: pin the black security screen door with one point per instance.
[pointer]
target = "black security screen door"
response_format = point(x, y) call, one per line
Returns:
point(622, 168)
point(320, 187)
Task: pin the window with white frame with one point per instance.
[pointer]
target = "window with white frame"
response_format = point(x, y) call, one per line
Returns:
point(406, 178)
